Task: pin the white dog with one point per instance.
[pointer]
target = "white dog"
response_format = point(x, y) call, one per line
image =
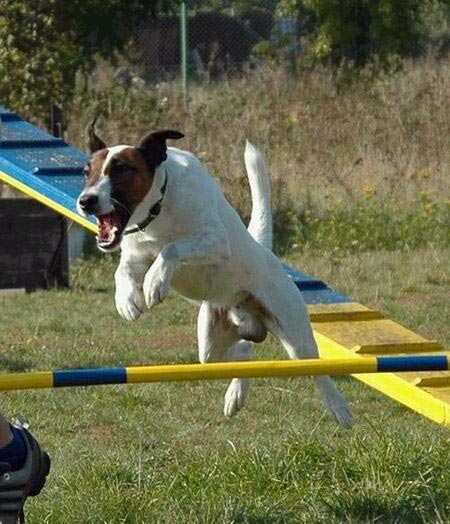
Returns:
point(176, 230)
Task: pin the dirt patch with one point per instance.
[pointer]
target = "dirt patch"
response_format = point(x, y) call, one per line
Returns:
point(416, 300)
point(101, 433)
point(167, 341)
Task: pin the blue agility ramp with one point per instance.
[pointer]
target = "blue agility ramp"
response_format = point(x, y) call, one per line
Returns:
point(41, 166)
point(50, 171)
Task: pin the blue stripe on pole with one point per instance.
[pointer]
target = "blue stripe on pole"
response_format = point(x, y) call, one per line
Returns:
point(426, 363)
point(89, 377)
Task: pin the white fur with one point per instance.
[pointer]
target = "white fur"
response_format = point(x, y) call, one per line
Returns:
point(200, 247)
point(111, 152)
point(102, 189)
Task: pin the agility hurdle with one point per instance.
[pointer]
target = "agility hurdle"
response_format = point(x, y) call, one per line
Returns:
point(220, 370)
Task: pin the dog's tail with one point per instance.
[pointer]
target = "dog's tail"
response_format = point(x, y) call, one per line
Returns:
point(260, 226)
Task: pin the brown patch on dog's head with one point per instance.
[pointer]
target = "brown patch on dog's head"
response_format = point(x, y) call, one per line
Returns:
point(131, 178)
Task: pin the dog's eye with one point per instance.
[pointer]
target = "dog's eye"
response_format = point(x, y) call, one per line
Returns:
point(120, 167)
point(86, 171)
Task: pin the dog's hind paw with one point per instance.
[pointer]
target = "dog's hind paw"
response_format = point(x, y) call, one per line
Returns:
point(340, 411)
point(335, 403)
point(235, 396)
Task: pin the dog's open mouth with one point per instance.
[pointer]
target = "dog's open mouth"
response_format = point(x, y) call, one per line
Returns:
point(110, 228)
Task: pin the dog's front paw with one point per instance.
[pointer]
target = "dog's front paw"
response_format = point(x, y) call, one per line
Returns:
point(129, 299)
point(157, 283)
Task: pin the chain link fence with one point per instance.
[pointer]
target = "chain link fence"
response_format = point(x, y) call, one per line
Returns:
point(218, 43)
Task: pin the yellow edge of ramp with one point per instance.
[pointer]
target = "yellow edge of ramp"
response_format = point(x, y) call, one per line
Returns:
point(392, 385)
point(47, 202)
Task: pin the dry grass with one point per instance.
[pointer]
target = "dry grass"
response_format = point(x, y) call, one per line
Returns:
point(327, 146)
point(358, 167)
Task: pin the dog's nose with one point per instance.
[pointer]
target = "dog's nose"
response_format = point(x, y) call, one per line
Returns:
point(88, 203)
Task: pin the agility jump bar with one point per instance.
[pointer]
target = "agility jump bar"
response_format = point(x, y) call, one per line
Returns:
point(222, 370)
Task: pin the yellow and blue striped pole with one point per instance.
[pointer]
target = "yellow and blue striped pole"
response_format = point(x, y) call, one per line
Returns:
point(222, 370)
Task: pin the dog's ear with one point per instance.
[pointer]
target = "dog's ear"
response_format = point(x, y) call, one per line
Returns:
point(153, 146)
point(94, 142)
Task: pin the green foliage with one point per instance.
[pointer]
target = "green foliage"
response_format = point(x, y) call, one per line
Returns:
point(358, 30)
point(36, 63)
point(45, 42)
point(369, 226)
point(238, 5)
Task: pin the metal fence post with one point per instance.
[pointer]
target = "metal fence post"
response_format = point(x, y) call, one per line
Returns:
point(184, 50)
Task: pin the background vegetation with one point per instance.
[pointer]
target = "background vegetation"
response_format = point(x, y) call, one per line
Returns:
point(45, 43)
point(352, 169)
point(357, 135)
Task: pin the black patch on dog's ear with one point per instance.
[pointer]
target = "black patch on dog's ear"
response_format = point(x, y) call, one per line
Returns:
point(94, 142)
point(153, 146)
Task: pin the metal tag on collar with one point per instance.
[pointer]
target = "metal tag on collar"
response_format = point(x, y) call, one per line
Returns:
point(156, 209)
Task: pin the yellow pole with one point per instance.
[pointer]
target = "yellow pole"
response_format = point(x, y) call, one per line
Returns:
point(37, 380)
point(221, 370)
point(185, 372)
point(269, 368)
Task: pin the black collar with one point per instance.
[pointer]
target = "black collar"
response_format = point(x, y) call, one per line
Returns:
point(154, 211)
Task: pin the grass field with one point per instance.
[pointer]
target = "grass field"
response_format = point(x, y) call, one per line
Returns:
point(164, 453)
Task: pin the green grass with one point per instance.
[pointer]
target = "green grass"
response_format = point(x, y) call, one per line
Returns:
point(164, 453)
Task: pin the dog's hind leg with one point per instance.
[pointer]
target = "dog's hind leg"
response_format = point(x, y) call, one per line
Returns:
point(215, 333)
point(292, 327)
point(335, 403)
point(218, 339)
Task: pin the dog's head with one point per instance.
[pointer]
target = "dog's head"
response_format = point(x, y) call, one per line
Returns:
point(117, 180)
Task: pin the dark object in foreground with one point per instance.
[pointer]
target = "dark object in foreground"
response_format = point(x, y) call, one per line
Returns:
point(16, 486)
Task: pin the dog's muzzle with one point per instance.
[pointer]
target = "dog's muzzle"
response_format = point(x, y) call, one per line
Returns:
point(88, 204)
point(111, 219)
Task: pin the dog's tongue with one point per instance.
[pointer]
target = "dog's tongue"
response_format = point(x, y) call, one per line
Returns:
point(107, 225)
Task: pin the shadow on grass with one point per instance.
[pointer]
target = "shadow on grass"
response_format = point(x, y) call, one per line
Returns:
point(90, 289)
point(243, 516)
point(357, 508)
point(14, 365)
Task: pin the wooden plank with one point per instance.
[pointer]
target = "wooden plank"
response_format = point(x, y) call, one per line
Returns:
point(368, 333)
point(342, 312)
point(433, 381)
point(398, 348)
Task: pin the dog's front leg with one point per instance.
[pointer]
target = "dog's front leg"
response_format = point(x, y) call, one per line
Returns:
point(129, 277)
point(205, 248)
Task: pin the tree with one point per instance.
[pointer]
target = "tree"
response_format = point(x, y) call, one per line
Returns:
point(45, 42)
point(359, 30)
